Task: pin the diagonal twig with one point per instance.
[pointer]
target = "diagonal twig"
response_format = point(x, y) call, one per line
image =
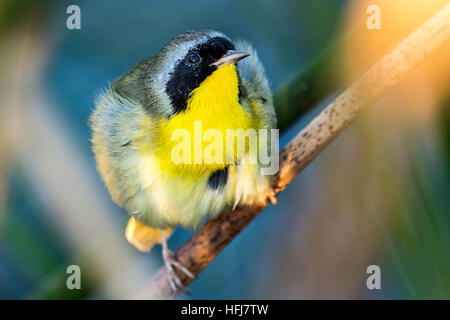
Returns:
point(214, 236)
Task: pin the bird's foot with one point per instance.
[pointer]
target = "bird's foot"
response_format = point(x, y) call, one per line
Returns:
point(170, 263)
point(272, 197)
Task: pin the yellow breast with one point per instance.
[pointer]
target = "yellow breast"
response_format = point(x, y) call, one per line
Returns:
point(213, 105)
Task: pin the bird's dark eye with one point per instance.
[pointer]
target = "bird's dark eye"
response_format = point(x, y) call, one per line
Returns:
point(194, 58)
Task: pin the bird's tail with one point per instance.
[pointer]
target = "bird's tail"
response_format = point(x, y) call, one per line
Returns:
point(144, 237)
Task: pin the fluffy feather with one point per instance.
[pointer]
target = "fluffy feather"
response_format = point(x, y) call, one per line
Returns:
point(131, 126)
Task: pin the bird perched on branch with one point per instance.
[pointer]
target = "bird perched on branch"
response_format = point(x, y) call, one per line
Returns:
point(200, 78)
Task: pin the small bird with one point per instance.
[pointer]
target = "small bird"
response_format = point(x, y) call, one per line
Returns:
point(198, 77)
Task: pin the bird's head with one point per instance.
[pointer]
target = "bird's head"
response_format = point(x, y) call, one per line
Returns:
point(187, 61)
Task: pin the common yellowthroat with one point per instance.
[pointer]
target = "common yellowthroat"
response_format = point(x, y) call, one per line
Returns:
point(198, 78)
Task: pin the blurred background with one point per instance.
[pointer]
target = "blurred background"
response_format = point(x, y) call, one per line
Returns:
point(378, 195)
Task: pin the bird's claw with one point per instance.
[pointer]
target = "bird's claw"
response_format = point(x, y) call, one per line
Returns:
point(271, 196)
point(174, 281)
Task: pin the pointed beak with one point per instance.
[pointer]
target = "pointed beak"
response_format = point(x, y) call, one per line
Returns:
point(232, 56)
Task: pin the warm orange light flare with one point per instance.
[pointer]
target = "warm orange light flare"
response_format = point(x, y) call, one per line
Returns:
point(374, 28)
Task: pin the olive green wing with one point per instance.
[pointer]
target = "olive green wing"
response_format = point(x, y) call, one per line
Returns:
point(255, 94)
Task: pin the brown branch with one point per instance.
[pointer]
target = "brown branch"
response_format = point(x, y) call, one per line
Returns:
point(214, 236)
